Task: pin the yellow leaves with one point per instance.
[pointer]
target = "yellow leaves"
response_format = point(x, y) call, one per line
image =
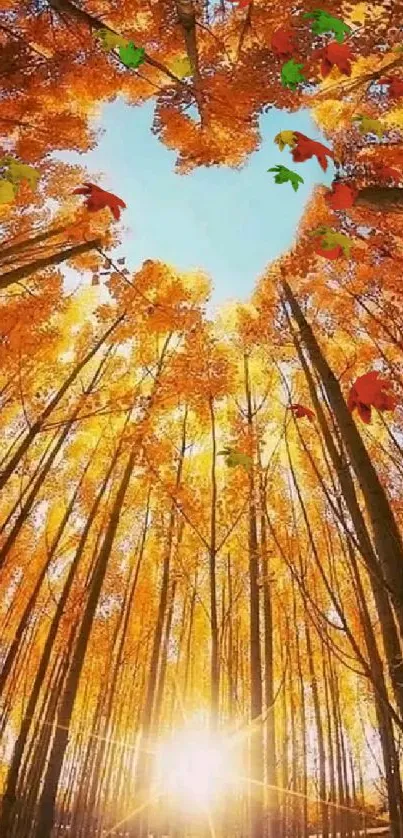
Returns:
point(333, 114)
point(361, 13)
point(285, 138)
point(181, 67)
point(364, 65)
point(198, 283)
point(143, 19)
point(79, 308)
point(394, 118)
point(7, 192)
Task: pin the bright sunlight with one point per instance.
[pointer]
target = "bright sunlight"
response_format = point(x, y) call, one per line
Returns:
point(194, 769)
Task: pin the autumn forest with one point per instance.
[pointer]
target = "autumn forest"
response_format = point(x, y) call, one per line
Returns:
point(201, 550)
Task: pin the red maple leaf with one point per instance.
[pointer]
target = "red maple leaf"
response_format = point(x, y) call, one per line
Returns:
point(305, 148)
point(330, 253)
point(282, 42)
point(334, 55)
point(97, 199)
point(369, 391)
point(395, 86)
point(341, 196)
point(299, 410)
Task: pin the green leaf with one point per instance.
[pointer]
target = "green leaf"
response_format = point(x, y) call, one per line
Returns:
point(284, 175)
point(291, 74)
point(332, 238)
point(18, 172)
point(234, 458)
point(110, 40)
point(324, 22)
point(368, 125)
point(7, 191)
point(131, 55)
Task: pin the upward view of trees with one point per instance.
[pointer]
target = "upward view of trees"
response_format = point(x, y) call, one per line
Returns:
point(201, 520)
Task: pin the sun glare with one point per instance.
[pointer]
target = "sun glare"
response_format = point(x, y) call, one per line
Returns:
point(195, 769)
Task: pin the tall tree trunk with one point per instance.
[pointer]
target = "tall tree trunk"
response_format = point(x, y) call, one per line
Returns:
point(143, 765)
point(376, 198)
point(25, 508)
point(164, 657)
point(15, 763)
point(303, 721)
point(230, 643)
point(215, 641)
point(256, 697)
point(187, 19)
point(53, 403)
point(387, 536)
point(319, 734)
point(272, 795)
point(48, 798)
point(17, 274)
point(390, 636)
point(332, 776)
point(27, 244)
point(29, 608)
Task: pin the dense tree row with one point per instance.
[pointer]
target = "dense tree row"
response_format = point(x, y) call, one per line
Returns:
point(146, 578)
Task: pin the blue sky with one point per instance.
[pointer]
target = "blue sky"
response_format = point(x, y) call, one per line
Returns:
point(230, 223)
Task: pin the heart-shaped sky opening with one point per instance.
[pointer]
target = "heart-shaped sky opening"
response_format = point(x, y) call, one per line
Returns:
point(230, 223)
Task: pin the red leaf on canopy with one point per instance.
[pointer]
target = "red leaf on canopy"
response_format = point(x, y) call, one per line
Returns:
point(395, 86)
point(299, 410)
point(282, 42)
point(341, 196)
point(331, 253)
point(241, 4)
point(305, 148)
point(370, 390)
point(334, 55)
point(97, 199)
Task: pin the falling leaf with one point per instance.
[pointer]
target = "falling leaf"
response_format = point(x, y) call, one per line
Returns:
point(329, 253)
point(285, 175)
point(7, 191)
point(333, 244)
point(291, 74)
point(395, 86)
point(299, 411)
point(282, 42)
point(97, 199)
point(368, 125)
point(233, 458)
point(131, 55)
point(335, 55)
point(181, 67)
point(285, 138)
point(324, 22)
point(306, 148)
point(110, 40)
point(341, 196)
point(369, 391)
